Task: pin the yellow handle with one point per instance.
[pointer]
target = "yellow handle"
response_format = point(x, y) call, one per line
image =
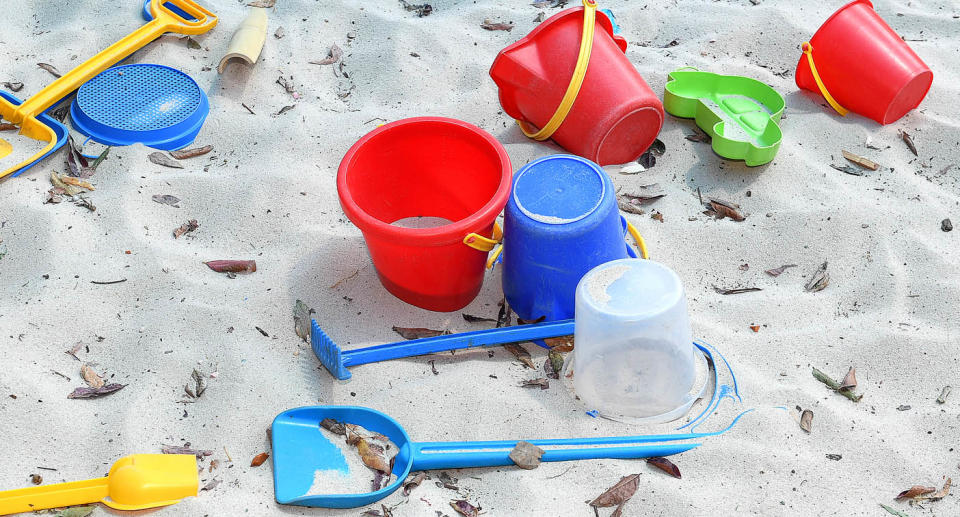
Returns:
point(53, 496)
point(573, 89)
point(164, 21)
point(484, 244)
point(808, 51)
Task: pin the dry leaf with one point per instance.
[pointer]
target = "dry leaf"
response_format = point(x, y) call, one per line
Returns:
point(643, 193)
point(56, 73)
point(263, 4)
point(232, 266)
point(657, 216)
point(167, 199)
point(57, 181)
point(860, 160)
point(739, 290)
point(560, 344)
point(848, 169)
point(909, 141)
point(526, 455)
point(555, 360)
point(536, 383)
point(421, 9)
point(186, 228)
point(185, 449)
point(806, 420)
point(36, 479)
point(92, 393)
point(665, 465)
point(333, 55)
point(164, 160)
point(944, 393)
point(77, 511)
point(259, 459)
point(779, 270)
point(280, 33)
point(755, 328)
point(477, 319)
point(333, 426)
point(915, 491)
point(723, 209)
point(464, 508)
point(372, 455)
point(13, 86)
point(413, 482)
point(943, 492)
point(284, 110)
point(699, 136)
point(419, 333)
point(619, 493)
point(505, 314)
point(893, 511)
point(6, 126)
point(849, 381)
point(624, 204)
point(76, 182)
point(90, 377)
point(191, 153)
point(302, 320)
point(201, 382)
point(648, 160)
point(496, 26)
point(819, 280)
point(211, 485)
point(521, 353)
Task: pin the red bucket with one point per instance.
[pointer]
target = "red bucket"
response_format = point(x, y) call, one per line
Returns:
point(616, 115)
point(864, 65)
point(426, 167)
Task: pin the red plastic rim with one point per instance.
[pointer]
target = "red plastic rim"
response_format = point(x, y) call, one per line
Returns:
point(436, 236)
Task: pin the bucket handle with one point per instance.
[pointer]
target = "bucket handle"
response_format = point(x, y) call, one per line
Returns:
point(484, 244)
point(573, 89)
point(631, 229)
point(808, 51)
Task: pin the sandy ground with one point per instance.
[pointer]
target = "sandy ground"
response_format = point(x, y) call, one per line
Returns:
point(267, 192)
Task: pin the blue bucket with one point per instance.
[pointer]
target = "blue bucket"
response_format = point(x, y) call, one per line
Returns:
point(560, 222)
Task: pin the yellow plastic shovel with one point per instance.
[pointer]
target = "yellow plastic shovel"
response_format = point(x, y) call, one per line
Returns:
point(135, 482)
point(26, 114)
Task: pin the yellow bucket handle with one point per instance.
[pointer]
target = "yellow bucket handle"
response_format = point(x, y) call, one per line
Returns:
point(631, 229)
point(484, 244)
point(573, 89)
point(808, 51)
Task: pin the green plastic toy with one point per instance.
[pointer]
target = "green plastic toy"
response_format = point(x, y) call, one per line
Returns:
point(740, 114)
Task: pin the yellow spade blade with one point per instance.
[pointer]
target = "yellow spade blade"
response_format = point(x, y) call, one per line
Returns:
point(5, 148)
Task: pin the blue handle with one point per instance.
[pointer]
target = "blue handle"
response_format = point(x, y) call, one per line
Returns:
point(457, 341)
point(454, 455)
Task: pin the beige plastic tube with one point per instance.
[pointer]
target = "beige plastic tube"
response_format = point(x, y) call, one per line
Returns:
point(247, 42)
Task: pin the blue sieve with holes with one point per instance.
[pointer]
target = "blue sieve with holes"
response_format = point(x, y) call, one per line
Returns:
point(154, 105)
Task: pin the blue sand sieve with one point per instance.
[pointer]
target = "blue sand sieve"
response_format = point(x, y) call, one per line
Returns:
point(154, 105)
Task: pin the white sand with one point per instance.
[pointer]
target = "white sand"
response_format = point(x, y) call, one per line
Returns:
point(268, 193)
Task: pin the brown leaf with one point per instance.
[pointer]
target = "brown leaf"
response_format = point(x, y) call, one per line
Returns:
point(505, 314)
point(90, 377)
point(860, 160)
point(413, 482)
point(372, 455)
point(777, 271)
point(915, 491)
point(167, 199)
point(699, 136)
point(302, 320)
point(419, 333)
point(849, 381)
point(333, 55)
point(909, 141)
point(13, 86)
point(162, 159)
point(943, 492)
point(739, 290)
point(77, 182)
point(644, 194)
point(725, 209)
point(211, 485)
point(665, 465)
point(628, 207)
point(263, 4)
point(36, 479)
point(496, 26)
point(421, 9)
point(333, 426)
point(6, 126)
point(846, 169)
point(560, 344)
point(259, 459)
point(619, 493)
point(185, 449)
point(57, 181)
point(755, 328)
point(536, 383)
point(232, 266)
point(92, 393)
point(284, 110)
point(191, 153)
point(526, 455)
point(657, 215)
point(464, 508)
point(819, 280)
point(521, 353)
point(186, 228)
point(50, 68)
point(477, 319)
point(806, 420)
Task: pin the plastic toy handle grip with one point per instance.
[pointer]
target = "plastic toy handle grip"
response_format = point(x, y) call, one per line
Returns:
point(454, 455)
point(476, 338)
point(203, 21)
point(53, 496)
point(808, 51)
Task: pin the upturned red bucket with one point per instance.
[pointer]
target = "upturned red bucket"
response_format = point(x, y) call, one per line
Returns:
point(864, 65)
point(426, 167)
point(615, 117)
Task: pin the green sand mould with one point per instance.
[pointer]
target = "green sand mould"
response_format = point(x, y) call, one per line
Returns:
point(740, 114)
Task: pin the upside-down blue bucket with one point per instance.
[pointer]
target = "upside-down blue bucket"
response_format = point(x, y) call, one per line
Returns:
point(560, 222)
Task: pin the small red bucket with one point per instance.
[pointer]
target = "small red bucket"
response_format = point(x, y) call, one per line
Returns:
point(615, 117)
point(863, 65)
point(426, 167)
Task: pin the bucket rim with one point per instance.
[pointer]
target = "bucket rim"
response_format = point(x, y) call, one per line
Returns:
point(837, 13)
point(436, 236)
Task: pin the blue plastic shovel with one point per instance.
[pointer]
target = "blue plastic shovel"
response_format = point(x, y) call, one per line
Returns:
point(336, 360)
point(300, 449)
